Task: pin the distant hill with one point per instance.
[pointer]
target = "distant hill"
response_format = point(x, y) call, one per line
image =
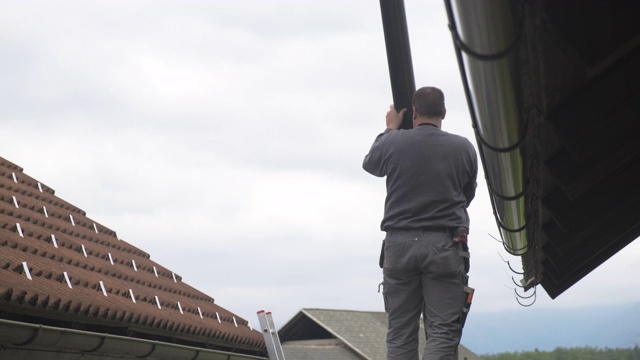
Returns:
point(570, 354)
point(546, 329)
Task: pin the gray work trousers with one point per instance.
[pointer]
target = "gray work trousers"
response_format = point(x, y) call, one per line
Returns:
point(423, 274)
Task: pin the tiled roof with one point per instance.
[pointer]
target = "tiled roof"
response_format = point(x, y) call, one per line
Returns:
point(59, 266)
point(363, 331)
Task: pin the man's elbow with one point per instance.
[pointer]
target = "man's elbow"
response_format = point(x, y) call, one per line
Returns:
point(470, 193)
point(369, 170)
point(373, 170)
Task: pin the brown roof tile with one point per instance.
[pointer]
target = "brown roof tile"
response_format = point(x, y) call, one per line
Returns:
point(72, 258)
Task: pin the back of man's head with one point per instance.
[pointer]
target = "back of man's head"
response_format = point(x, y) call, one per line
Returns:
point(429, 102)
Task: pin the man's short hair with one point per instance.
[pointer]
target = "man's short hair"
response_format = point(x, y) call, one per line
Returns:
point(429, 102)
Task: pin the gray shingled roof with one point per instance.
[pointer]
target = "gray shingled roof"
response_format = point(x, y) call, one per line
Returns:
point(326, 349)
point(364, 332)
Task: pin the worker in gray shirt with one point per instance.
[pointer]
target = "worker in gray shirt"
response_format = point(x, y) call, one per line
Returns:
point(431, 180)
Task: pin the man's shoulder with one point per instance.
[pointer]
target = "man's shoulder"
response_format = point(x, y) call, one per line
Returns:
point(455, 139)
point(459, 139)
point(391, 135)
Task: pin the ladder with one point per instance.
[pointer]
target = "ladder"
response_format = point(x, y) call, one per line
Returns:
point(271, 338)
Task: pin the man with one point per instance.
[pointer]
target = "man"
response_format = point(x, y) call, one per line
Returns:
point(431, 180)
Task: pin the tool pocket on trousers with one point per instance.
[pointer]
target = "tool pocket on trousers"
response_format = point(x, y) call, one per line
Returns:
point(466, 258)
point(468, 298)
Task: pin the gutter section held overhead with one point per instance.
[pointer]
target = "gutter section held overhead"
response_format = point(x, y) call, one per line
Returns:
point(396, 37)
point(485, 34)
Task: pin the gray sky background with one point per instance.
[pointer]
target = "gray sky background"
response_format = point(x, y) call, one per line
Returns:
point(225, 138)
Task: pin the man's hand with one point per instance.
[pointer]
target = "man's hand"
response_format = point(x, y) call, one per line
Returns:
point(394, 118)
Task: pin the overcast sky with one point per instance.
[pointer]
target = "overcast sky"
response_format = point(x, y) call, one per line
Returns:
point(225, 138)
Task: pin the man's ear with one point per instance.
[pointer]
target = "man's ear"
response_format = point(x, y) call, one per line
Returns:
point(414, 113)
point(444, 113)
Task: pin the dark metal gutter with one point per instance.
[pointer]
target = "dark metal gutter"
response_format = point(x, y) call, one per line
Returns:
point(26, 340)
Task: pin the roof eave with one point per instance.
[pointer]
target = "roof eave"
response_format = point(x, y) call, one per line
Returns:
point(26, 337)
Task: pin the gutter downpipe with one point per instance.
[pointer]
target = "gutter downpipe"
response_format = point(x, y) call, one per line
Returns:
point(19, 336)
point(396, 37)
point(486, 36)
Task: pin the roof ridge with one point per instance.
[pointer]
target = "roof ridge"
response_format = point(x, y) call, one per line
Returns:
point(345, 310)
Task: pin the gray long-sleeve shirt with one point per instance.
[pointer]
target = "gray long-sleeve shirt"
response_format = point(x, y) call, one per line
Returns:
point(431, 177)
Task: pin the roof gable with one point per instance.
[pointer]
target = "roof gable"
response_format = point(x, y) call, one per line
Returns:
point(364, 331)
